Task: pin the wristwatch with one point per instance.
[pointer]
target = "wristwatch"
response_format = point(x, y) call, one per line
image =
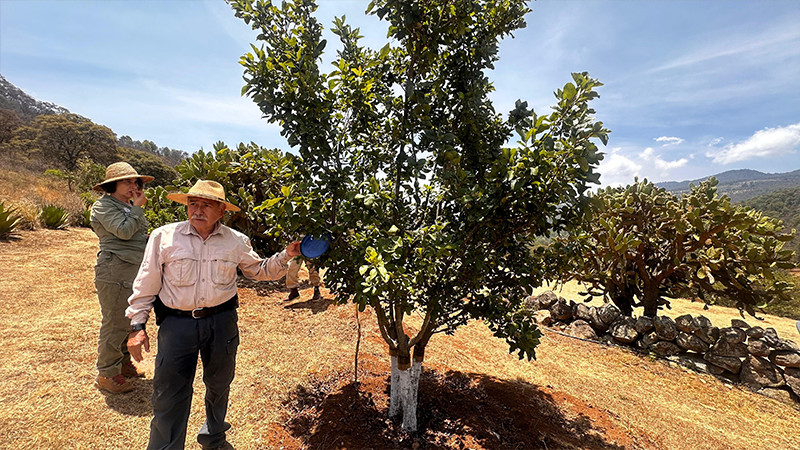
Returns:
point(137, 327)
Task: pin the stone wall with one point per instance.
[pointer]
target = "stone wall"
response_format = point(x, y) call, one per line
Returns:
point(752, 356)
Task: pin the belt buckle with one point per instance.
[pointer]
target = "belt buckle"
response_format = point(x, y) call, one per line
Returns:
point(197, 313)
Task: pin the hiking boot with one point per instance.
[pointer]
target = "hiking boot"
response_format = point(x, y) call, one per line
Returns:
point(129, 370)
point(293, 294)
point(317, 295)
point(115, 385)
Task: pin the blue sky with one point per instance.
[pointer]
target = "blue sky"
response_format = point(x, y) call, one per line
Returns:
point(691, 88)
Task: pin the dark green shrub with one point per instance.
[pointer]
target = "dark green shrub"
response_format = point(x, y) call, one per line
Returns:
point(54, 217)
point(9, 221)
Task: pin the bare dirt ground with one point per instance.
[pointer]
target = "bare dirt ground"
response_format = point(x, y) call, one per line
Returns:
point(295, 382)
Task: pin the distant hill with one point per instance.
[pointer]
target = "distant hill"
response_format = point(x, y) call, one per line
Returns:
point(25, 106)
point(741, 185)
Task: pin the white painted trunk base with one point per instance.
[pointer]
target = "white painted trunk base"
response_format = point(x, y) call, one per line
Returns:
point(404, 391)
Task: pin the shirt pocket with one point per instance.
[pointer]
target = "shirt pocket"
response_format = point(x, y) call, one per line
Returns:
point(223, 269)
point(181, 270)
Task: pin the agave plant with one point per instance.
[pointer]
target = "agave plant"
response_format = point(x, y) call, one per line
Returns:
point(54, 217)
point(9, 220)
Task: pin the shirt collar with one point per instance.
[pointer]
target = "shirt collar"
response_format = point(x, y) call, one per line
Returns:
point(188, 229)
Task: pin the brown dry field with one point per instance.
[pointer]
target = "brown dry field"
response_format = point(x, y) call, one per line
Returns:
point(294, 387)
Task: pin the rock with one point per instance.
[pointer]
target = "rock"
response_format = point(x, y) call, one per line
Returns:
point(724, 348)
point(788, 345)
point(639, 346)
point(792, 377)
point(785, 358)
point(732, 335)
point(739, 323)
point(650, 339)
point(758, 372)
point(581, 329)
point(546, 299)
point(665, 328)
point(609, 313)
point(543, 317)
point(703, 322)
point(686, 323)
point(607, 339)
point(595, 321)
point(758, 347)
point(581, 312)
point(780, 395)
point(622, 329)
point(730, 363)
point(692, 361)
point(714, 369)
point(643, 325)
point(560, 310)
point(709, 335)
point(771, 337)
point(755, 332)
point(690, 342)
point(665, 348)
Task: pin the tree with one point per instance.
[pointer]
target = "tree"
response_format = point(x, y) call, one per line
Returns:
point(9, 121)
point(62, 140)
point(646, 244)
point(149, 164)
point(403, 162)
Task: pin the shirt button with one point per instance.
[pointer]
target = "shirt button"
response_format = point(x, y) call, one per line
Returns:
point(203, 279)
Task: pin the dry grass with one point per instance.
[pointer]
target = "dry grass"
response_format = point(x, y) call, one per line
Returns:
point(48, 333)
point(28, 192)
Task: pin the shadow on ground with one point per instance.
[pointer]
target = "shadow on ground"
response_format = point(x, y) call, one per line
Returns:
point(135, 403)
point(456, 410)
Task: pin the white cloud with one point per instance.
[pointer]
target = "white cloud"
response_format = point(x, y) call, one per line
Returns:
point(669, 140)
point(764, 143)
point(617, 169)
point(649, 155)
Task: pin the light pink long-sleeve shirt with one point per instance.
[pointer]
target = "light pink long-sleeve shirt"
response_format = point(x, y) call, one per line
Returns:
point(187, 272)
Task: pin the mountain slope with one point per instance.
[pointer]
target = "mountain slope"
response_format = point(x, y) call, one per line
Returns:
point(741, 185)
point(25, 106)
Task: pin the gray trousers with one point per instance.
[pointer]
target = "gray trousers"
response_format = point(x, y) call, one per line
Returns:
point(113, 279)
point(180, 340)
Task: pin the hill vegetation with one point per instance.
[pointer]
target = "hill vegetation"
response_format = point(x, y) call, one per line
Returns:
point(741, 185)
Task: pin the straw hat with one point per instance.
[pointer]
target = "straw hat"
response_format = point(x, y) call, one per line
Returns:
point(204, 189)
point(120, 171)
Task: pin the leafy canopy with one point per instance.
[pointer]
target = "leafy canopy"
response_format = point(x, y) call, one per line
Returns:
point(403, 159)
point(646, 244)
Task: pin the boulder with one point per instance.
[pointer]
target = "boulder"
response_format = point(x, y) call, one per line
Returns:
point(792, 377)
point(771, 337)
point(560, 310)
point(622, 329)
point(732, 335)
point(595, 321)
point(609, 313)
point(543, 317)
point(724, 348)
point(643, 325)
point(650, 339)
point(690, 342)
point(730, 363)
point(687, 324)
point(665, 348)
point(758, 347)
point(709, 335)
point(692, 361)
point(665, 328)
point(703, 322)
point(787, 345)
point(758, 372)
point(714, 369)
point(755, 332)
point(581, 329)
point(607, 339)
point(785, 358)
point(581, 312)
point(739, 323)
point(546, 299)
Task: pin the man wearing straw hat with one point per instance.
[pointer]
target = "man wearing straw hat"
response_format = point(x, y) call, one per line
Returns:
point(118, 220)
point(188, 277)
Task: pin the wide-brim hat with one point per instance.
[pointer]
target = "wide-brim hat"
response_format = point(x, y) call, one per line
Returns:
point(121, 171)
point(204, 189)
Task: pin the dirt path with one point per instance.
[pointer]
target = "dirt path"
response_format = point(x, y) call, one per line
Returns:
point(294, 386)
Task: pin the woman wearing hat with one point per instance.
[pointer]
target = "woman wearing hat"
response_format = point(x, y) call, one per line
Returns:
point(119, 222)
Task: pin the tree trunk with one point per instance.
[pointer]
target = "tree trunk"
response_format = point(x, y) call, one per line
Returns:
point(394, 386)
point(410, 398)
point(650, 300)
point(404, 388)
